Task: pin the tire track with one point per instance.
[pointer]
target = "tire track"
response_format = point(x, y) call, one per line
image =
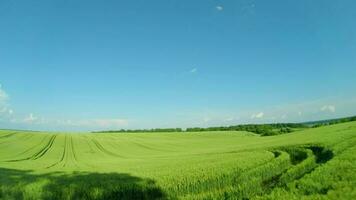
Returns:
point(74, 155)
point(79, 163)
point(70, 156)
point(102, 149)
point(241, 176)
point(316, 156)
point(90, 147)
point(65, 160)
point(33, 147)
point(148, 147)
point(8, 135)
point(45, 150)
point(4, 137)
point(63, 154)
point(40, 153)
point(22, 137)
point(27, 136)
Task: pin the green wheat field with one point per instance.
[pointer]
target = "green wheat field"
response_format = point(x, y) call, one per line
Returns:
point(316, 163)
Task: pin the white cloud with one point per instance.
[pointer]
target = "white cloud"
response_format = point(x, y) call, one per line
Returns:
point(229, 119)
point(4, 106)
point(3, 109)
point(193, 70)
point(257, 115)
point(300, 113)
point(95, 123)
point(219, 8)
point(110, 122)
point(30, 118)
point(249, 8)
point(7, 112)
point(328, 108)
point(207, 119)
point(69, 124)
point(3, 95)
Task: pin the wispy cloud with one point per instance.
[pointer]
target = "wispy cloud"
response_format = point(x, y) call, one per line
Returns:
point(194, 70)
point(30, 118)
point(93, 123)
point(43, 123)
point(3, 95)
point(4, 103)
point(219, 8)
point(206, 119)
point(257, 115)
point(229, 119)
point(106, 123)
point(328, 108)
point(249, 8)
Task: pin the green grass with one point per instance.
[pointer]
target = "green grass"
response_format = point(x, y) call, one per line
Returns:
point(316, 163)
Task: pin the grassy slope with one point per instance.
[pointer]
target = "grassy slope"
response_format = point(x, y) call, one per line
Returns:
point(185, 165)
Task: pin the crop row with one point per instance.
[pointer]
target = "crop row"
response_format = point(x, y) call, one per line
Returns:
point(290, 164)
point(39, 153)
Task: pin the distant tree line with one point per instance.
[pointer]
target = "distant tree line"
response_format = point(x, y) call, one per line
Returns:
point(262, 129)
point(331, 122)
point(142, 130)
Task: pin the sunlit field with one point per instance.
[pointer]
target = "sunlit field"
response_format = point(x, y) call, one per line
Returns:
point(311, 164)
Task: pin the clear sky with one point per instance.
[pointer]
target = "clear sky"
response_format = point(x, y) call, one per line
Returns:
point(89, 65)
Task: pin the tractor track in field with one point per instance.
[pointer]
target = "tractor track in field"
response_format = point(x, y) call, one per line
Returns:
point(45, 150)
point(241, 176)
point(277, 167)
point(73, 150)
point(89, 145)
point(68, 155)
point(33, 147)
point(22, 137)
point(27, 136)
point(8, 135)
point(40, 153)
point(148, 147)
point(137, 143)
point(63, 155)
point(319, 153)
point(105, 151)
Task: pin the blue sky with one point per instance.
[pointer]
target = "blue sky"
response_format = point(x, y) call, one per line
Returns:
point(91, 65)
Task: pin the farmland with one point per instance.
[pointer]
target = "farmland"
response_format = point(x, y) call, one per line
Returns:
point(315, 163)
